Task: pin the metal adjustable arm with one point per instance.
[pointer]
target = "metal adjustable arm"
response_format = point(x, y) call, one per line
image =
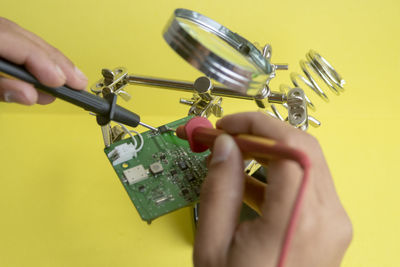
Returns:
point(207, 98)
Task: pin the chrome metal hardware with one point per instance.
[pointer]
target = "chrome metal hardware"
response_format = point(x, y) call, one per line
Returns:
point(203, 102)
point(297, 102)
point(207, 98)
point(106, 132)
point(117, 133)
point(320, 67)
point(113, 81)
point(297, 108)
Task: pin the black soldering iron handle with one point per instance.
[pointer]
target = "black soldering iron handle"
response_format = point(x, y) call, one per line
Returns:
point(79, 98)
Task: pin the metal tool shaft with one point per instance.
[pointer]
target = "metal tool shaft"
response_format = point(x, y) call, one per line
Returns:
point(183, 86)
point(148, 126)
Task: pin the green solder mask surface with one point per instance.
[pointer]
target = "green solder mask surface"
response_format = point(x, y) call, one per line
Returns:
point(176, 186)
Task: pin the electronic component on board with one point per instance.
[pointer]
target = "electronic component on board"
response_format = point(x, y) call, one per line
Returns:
point(162, 199)
point(182, 165)
point(122, 153)
point(164, 129)
point(135, 174)
point(156, 168)
point(190, 177)
point(185, 191)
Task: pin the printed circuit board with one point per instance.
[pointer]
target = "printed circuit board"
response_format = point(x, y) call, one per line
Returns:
point(164, 175)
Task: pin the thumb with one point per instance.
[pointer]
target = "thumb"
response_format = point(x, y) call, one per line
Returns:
point(220, 200)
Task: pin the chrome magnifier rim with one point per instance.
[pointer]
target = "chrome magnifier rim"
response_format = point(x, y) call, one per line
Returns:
point(240, 79)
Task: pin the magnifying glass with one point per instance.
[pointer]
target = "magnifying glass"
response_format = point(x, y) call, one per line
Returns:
point(219, 53)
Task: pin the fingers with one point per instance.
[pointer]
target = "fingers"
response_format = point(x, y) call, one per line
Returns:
point(20, 92)
point(220, 202)
point(17, 91)
point(257, 123)
point(254, 193)
point(44, 99)
point(74, 77)
point(283, 176)
point(42, 60)
point(18, 49)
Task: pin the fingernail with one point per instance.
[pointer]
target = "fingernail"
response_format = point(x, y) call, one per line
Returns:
point(222, 148)
point(10, 97)
point(60, 73)
point(80, 74)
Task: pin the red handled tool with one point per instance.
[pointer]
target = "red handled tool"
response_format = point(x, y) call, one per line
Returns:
point(201, 136)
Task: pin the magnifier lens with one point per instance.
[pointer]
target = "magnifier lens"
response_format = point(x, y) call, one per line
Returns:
point(216, 44)
point(216, 51)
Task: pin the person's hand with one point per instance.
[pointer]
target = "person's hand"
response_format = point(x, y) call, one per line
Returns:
point(323, 231)
point(42, 60)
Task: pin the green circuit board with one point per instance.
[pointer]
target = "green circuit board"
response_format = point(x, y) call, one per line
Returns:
point(164, 176)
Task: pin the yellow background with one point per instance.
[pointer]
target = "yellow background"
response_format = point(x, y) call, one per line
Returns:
point(61, 203)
